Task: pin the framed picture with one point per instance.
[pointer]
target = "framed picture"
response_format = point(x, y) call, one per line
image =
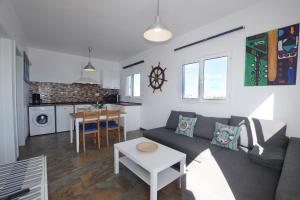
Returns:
point(271, 57)
point(26, 68)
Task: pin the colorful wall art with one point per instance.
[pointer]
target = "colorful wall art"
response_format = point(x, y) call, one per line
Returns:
point(271, 57)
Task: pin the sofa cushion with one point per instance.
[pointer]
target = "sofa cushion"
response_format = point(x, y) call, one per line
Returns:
point(172, 122)
point(246, 180)
point(205, 126)
point(268, 156)
point(186, 126)
point(196, 148)
point(289, 182)
point(226, 136)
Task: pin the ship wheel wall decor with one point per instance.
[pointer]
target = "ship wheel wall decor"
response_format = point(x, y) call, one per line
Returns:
point(157, 77)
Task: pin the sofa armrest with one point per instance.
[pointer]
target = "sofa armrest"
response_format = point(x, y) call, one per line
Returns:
point(289, 182)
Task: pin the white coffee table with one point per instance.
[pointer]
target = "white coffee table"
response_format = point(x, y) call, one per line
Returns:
point(153, 168)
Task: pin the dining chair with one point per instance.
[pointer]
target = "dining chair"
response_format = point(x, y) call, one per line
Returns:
point(91, 125)
point(112, 123)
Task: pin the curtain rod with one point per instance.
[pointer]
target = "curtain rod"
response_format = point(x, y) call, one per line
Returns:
point(133, 64)
point(211, 37)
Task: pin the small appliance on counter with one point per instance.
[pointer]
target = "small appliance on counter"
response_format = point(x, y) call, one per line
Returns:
point(113, 98)
point(36, 99)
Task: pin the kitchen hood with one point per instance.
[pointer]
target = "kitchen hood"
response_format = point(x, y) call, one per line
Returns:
point(85, 80)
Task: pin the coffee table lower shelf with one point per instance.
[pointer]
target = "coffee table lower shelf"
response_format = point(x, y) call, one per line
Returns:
point(164, 177)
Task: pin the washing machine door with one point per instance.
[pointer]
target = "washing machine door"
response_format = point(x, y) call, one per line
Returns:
point(41, 120)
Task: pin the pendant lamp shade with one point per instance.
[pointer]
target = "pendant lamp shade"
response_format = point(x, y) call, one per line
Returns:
point(157, 32)
point(89, 67)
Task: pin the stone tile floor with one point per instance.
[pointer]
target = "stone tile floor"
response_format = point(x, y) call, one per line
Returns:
point(89, 175)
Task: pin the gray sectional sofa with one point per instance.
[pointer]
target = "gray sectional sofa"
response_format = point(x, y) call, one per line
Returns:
point(219, 173)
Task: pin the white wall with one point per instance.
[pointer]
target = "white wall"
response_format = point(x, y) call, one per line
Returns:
point(278, 102)
point(51, 66)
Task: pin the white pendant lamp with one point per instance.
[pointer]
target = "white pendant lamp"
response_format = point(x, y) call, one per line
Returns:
point(89, 67)
point(157, 32)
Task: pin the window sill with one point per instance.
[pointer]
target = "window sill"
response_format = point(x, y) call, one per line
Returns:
point(206, 101)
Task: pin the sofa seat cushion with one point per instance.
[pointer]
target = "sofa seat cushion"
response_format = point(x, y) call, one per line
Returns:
point(196, 148)
point(289, 183)
point(268, 156)
point(173, 120)
point(246, 180)
point(205, 126)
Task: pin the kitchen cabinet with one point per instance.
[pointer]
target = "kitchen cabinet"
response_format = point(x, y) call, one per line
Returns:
point(133, 117)
point(111, 79)
point(63, 117)
point(114, 107)
point(85, 106)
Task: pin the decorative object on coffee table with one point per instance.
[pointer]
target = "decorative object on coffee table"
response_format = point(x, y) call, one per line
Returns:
point(146, 146)
point(157, 77)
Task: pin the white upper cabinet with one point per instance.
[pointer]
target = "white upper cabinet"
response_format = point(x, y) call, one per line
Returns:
point(111, 79)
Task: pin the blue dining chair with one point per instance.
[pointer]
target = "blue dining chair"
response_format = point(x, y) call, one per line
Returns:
point(112, 123)
point(91, 125)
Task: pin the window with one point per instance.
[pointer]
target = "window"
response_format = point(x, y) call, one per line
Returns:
point(129, 86)
point(136, 85)
point(215, 78)
point(133, 85)
point(190, 77)
point(206, 79)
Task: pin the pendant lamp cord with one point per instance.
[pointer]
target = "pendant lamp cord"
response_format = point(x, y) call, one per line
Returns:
point(90, 50)
point(157, 12)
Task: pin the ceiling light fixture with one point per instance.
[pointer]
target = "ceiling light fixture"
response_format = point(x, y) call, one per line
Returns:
point(157, 31)
point(89, 67)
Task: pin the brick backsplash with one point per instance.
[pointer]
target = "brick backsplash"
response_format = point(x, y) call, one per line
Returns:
point(76, 92)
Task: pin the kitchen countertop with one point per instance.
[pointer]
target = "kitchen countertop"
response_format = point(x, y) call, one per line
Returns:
point(78, 103)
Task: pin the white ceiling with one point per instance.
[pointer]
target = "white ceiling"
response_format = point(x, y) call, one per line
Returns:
point(113, 27)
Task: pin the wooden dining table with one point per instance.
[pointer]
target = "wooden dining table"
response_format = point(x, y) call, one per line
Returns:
point(77, 118)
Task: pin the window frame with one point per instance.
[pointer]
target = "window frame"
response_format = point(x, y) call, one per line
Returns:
point(131, 95)
point(201, 61)
point(133, 85)
point(183, 80)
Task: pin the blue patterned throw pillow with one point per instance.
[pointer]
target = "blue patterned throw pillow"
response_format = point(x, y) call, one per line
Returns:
point(186, 126)
point(226, 136)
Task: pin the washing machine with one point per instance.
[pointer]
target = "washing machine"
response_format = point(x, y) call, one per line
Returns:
point(41, 120)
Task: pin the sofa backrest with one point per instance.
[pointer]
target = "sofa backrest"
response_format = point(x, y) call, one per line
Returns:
point(205, 126)
point(259, 131)
point(173, 120)
point(254, 131)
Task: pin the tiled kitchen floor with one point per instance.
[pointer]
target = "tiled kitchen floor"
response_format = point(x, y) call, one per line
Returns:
point(90, 175)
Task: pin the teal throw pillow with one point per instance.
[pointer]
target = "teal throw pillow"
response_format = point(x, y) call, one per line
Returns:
point(226, 136)
point(186, 126)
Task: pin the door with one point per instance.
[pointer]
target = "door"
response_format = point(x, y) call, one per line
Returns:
point(8, 126)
